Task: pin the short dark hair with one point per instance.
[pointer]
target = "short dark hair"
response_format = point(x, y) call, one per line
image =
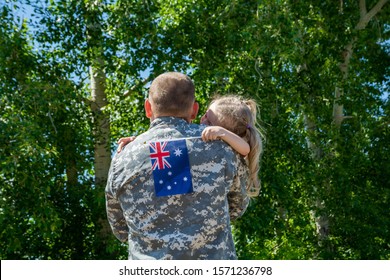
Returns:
point(172, 93)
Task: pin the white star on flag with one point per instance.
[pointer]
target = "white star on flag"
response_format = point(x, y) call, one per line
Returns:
point(178, 152)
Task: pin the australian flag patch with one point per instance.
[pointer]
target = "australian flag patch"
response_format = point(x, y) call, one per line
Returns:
point(171, 167)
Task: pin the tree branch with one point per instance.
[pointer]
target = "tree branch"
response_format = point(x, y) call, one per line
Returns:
point(133, 88)
point(366, 17)
point(362, 8)
point(52, 122)
point(338, 115)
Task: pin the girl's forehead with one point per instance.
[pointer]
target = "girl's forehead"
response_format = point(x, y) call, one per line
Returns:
point(212, 107)
point(211, 113)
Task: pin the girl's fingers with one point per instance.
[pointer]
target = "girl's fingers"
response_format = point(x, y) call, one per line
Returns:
point(123, 142)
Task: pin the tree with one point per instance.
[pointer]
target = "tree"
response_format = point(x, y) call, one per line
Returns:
point(75, 81)
point(45, 199)
point(291, 57)
point(71, 38)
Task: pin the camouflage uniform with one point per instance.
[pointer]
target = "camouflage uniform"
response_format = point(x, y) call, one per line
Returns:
point(188, 226)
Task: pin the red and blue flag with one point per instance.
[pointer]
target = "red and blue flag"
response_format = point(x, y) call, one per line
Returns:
point(171, 167)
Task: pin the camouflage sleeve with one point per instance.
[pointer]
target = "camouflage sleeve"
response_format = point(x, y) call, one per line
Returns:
point(114, 212)
point(237, 197)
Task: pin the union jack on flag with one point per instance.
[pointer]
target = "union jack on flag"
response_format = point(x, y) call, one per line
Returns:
point(170, 167)
point(159, 155)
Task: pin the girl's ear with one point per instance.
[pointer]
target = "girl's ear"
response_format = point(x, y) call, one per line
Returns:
point(148, 108)
point(195, 109)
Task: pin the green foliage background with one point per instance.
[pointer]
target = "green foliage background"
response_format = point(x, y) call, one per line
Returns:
point(285, 54)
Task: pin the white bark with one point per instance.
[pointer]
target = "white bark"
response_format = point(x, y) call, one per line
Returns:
point(101, 131)
point(321, 221)
point(101, 122)
point(365, 17)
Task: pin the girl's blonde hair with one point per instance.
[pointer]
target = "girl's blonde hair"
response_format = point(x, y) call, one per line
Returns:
point(239, 116)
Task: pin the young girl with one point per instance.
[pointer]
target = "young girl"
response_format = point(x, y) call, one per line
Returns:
point(232, 119)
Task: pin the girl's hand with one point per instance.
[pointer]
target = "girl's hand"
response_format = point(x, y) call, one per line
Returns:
point(235, 141)
point(123, 142)
point(211, 133)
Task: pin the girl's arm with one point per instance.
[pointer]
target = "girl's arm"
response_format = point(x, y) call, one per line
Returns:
point(235, 141)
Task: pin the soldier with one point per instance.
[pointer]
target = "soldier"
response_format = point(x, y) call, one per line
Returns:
point(171, 195)
point(232, 119)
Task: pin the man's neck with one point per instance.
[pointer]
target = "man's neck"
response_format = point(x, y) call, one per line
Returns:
point(187, 119)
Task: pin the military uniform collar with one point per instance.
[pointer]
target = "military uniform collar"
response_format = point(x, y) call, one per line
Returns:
point(168, 120)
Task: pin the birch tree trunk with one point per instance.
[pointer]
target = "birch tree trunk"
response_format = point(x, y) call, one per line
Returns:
point(365, 17)
point(322, 221)
point(101, 123)
point(102, 154)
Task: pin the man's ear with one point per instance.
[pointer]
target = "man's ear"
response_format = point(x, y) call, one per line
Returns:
point(195, 109)
point(148, 108)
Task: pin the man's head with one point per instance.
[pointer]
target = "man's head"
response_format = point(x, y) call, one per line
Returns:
point(172, 94)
